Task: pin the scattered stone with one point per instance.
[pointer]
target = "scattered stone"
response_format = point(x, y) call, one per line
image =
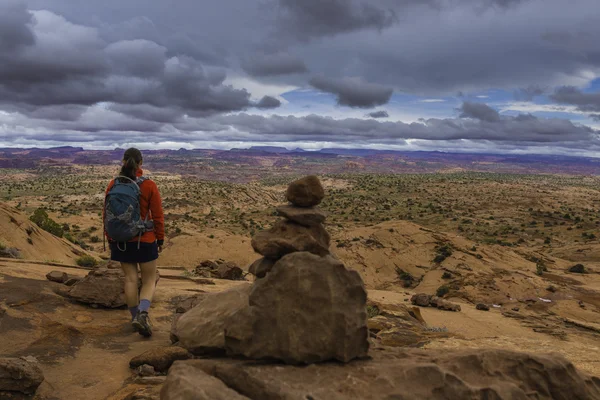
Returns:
point(219, 270)
point(421, 299)
point(57, 276)
point(516, 309)
point(581, 304)
point(443, 305)
point(160, 358)
point(482, 307)
point(305, 192)
point(306, 216)
point(261, 267)
point(395, 373)
point(201, 330)
point(185, 382)
point(20, 375)
point(577, 269)
point(145, 370)
point(307, 309)
point(288, 237)
point(551, 288)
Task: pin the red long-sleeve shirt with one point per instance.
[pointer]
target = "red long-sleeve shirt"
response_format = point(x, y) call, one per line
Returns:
point(149, 200)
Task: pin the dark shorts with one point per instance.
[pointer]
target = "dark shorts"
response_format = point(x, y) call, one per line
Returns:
point(129, 253)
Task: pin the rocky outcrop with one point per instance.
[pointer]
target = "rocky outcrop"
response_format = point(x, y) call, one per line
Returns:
point(201, 329)
point(305, 192)
point(185, 382)
point(394, 373)
point(307, 309)
point(19, 375)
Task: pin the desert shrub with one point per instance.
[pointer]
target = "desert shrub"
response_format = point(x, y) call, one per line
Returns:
point(446, 275)
point(9, 252)
point(29, 231)
point(95, 239)
point(40, 218)
point(29, 240)
point(87, 261)
point(442, 291)
point(442, 252)
point(577, 268)
point(372, 311)
point(540, 268)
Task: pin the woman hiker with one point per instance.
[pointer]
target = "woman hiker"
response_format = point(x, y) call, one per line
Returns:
point(134, 226)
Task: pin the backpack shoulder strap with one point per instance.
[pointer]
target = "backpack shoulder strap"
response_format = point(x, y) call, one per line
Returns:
point(141, 179)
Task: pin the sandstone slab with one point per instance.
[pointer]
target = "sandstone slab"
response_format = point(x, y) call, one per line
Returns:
point(57, 276)
point(411, 374)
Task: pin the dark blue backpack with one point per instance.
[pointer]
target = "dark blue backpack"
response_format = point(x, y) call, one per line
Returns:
point(122, 217)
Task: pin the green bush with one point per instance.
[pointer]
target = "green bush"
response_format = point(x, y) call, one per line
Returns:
point(40, 218)
point(442, 291)
point(87, 261)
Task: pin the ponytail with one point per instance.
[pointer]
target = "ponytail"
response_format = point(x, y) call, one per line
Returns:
point(131, 162)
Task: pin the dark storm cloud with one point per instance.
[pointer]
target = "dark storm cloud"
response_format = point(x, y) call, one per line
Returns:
point(528, 93)
point(587, 102)
point(49, 61)
point(268, 102)
point(14, 33)
point(273, 65)
point(479, 111)
point(353, 92)
point(313, 18)
point(379, 114)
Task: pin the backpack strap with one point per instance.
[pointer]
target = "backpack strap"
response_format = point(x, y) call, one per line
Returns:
point(141, 179)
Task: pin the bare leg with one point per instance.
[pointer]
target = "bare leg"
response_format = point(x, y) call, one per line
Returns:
point(148, 280)
point(131, 284)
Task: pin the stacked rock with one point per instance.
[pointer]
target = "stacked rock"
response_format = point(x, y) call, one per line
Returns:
point(301, 230)
point(306, 306)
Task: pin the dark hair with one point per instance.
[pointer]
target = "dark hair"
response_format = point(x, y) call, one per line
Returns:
point(132, 160)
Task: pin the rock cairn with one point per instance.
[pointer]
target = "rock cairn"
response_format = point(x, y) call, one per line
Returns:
point(305, 306)
point(300, 230)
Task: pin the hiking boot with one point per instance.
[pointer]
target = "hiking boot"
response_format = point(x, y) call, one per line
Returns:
point(142, 324)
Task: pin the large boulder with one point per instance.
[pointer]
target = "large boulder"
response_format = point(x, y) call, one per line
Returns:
point(185, 382)
point(306, 216)
point(305, 192)
point(219, 270)
point(288, 237)
point(407, 374)
point(201, 329)
point(161, 358)
point(103, 287)
point(307, 309)
point(19, 375)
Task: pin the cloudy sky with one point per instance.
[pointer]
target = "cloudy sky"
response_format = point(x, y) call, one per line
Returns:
point(517, 76)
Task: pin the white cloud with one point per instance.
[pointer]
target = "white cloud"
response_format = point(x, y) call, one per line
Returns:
point(432, 101)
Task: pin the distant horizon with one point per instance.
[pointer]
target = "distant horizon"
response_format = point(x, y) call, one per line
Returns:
point(292, 149)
